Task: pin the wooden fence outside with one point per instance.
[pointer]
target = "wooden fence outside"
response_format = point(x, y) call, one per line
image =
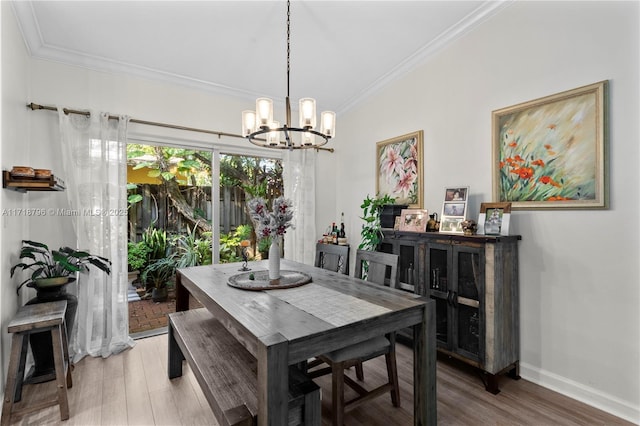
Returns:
point(156, 209)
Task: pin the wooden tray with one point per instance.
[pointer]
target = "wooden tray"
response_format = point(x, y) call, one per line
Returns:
point(260, 281)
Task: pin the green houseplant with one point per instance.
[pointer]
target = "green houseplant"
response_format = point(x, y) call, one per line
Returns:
point(371, 232)
point(53, 267)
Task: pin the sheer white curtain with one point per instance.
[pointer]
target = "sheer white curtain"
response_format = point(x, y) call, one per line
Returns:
point(299, 176)
point(94, 163)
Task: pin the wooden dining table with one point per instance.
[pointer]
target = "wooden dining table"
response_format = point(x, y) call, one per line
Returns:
point(283, 327)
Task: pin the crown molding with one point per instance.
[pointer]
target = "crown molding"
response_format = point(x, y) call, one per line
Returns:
point(472, 20)
point(38, 49)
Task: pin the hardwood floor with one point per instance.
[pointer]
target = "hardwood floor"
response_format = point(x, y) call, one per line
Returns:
point(132, 388)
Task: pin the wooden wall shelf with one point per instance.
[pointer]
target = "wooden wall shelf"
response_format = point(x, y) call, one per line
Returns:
point(21, 184)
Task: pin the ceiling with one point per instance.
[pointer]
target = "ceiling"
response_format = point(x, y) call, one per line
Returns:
point(341, 51)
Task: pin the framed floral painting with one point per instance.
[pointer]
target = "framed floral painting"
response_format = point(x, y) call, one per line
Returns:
point(399, 169)
point(551, 152)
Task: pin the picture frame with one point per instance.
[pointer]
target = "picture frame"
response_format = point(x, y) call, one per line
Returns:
point(414, 220)
point(456, 194)
point(551, 152)
point(454, 209)
point(399, 169)
point(494, 219)
point(451, 225)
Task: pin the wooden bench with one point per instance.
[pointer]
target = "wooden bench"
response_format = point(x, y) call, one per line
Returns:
point(38, 318)
point(227, 372)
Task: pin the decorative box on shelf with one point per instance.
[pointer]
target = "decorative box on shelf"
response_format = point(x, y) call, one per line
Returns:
point(26, 183)
point(389, 214)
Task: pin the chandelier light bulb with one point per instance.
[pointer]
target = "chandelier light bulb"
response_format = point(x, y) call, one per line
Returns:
point(248, 122)
point(264, 112)
point(308, 139)
point(307, 113)
point(328, 123)
point(273, 137)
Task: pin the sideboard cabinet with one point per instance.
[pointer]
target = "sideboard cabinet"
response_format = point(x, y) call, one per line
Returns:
point(474, 281)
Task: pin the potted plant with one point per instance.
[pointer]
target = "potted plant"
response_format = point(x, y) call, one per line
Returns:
point(52, 268)
point(157, 275)
point(371, 232)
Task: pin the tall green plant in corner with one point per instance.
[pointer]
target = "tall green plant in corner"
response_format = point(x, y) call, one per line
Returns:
point(371, 232)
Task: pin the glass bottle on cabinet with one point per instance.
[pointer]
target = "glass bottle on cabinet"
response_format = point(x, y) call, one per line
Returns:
point(406, 246)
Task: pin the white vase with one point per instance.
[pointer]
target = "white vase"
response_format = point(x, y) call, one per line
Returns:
point(274, 260)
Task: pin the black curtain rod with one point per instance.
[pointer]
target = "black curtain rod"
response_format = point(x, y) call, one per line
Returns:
point(34, 107)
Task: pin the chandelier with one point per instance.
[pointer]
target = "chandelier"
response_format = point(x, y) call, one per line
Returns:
point(259, 127)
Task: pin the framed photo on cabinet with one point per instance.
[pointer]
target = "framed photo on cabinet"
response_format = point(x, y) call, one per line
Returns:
point(399, 169)
point(451, 225)
point(454, 209)
point(413, 220)
point(494, 218)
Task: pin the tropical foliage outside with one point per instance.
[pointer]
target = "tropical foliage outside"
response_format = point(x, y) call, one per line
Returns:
point(187, 239)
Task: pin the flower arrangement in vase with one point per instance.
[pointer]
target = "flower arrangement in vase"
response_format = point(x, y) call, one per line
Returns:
point(272, 224)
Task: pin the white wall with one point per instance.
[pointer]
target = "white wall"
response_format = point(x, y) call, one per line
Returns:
point(14, 151)
point(579, 283)
point(580, 322)
point(32, 137)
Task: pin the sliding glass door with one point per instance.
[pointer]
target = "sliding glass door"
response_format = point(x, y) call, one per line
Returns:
point(187, 207)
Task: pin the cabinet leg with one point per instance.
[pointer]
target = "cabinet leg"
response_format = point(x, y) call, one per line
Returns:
point(491, 385)
point(491, 382)
point(514, 373)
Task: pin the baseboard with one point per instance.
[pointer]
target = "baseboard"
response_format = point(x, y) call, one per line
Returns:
point(582, 393)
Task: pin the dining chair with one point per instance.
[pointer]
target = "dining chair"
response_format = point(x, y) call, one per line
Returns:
point(332, 257)
point(377, 265)
point(374, 265)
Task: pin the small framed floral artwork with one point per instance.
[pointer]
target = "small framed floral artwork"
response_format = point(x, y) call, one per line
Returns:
point(551, 152)
point(494, 218)
point(414, 220)
point(399, 169)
